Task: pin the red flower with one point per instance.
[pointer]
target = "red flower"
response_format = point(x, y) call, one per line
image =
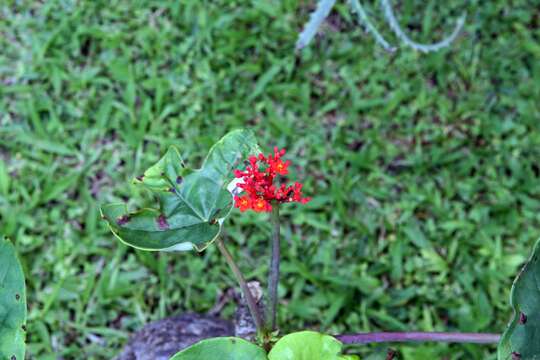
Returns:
point(243, 203)
point(257, 180)
point(260, 205)
point(280, 167)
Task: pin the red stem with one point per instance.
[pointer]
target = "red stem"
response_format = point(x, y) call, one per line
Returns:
point(379, 337)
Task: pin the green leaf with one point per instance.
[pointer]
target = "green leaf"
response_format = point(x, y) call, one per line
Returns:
point(223, 348)
point(308, 345)
point(192, 203)
point(521, 340)
point(12, 304)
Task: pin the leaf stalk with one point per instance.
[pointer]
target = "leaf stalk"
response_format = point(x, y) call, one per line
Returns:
point(415, 336)
point(273, 274)
point(252, 304)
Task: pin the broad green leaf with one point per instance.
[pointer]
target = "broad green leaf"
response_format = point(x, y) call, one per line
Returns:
point(192, 203)
point(308, 345)
point(521, 340)
point(12, 304)
point(224, 348)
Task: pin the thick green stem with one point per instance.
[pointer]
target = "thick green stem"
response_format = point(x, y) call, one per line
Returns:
point(273, 275)
point(252, 304)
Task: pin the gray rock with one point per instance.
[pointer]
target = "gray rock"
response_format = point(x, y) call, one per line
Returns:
point(159, 340)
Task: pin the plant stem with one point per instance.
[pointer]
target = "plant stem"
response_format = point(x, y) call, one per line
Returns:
point(379, 337)
point(273, 275)
point(252, 304)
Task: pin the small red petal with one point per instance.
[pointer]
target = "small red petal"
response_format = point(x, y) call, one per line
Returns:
point(238, 174)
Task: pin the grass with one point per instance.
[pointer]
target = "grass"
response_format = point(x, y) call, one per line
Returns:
point(424, 168)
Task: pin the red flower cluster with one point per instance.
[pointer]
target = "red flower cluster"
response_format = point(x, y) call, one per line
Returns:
point(258, 183)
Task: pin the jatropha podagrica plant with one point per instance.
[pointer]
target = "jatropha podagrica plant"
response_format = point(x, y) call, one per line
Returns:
point(192, 208)
point(193, 205)
point(262, 193)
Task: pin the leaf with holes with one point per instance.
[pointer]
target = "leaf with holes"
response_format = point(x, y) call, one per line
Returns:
point(224, 348)
point(12, 304)
point(192, 203)
point(308, 345)
point(521, 340)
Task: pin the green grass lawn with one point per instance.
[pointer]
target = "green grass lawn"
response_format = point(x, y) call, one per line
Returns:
point(423, 168)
